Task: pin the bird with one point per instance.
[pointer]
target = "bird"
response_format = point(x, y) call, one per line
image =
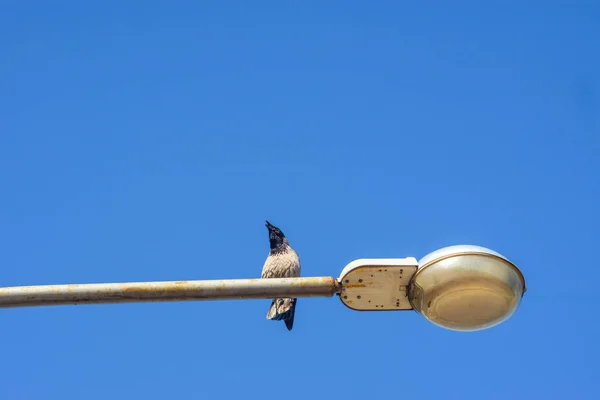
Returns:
point(282, 262)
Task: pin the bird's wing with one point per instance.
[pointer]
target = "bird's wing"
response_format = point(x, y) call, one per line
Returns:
point(281, 309)
point(268, 268)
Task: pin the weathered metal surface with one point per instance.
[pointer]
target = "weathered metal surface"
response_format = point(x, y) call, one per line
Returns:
point(377, 284)
point(133, 292)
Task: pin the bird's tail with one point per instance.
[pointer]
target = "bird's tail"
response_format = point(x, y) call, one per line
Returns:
point(283, 310)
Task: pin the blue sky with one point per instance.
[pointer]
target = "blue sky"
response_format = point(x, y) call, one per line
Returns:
point(150, 141)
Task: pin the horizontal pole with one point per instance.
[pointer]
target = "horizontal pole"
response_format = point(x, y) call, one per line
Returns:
point(137, 292)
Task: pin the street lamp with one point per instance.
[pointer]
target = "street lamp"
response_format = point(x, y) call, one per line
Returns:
point(466, 288)
point(463, 288)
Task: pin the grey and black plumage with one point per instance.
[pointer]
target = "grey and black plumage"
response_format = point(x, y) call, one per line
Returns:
point(282, 262)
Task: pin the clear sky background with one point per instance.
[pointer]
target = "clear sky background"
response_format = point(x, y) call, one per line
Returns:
point(144, 140)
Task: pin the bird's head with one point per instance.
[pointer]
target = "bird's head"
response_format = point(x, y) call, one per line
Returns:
point(276, 237)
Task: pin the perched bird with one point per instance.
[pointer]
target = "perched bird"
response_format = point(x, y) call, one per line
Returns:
point(282, 262)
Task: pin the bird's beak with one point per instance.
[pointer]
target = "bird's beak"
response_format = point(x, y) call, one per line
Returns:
point(268, 224)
